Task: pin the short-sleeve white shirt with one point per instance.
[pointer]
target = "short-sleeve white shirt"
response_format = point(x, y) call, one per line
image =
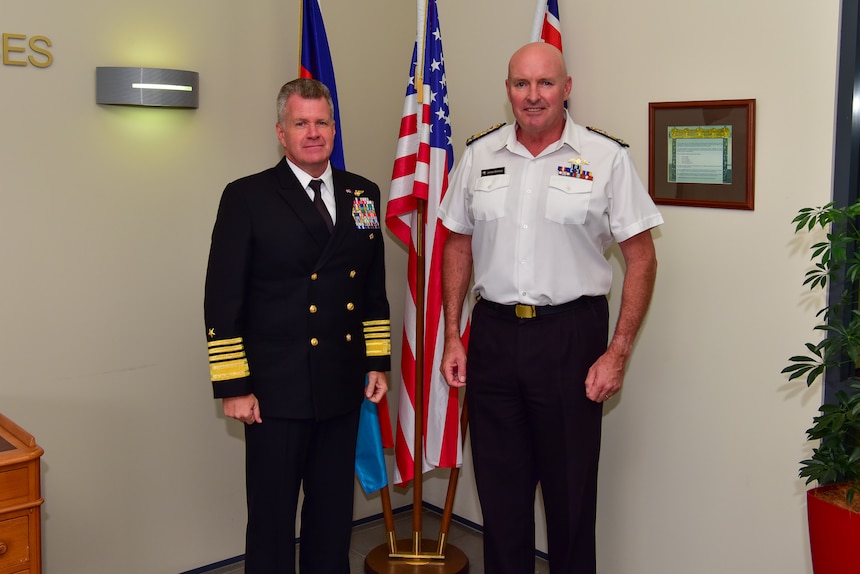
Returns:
point(539, 231)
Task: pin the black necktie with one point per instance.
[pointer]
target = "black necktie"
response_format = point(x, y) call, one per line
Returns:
point(318, 203)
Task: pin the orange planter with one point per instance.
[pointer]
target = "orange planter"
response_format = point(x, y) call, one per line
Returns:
point(834, 533)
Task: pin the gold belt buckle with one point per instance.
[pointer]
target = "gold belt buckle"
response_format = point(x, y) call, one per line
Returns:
point(525, 311)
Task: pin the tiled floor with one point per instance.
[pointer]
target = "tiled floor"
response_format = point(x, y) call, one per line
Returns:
point(368, 536)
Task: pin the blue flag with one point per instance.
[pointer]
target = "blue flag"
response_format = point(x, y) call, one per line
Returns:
point(315, 62)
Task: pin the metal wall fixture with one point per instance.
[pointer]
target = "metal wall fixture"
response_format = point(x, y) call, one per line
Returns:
point(155, 87)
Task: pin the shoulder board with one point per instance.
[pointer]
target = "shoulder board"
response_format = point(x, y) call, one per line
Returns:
point(479, 135)
point(619, 141)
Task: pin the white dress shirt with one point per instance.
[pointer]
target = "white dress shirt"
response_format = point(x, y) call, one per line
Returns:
point(326, 190)
point(539, 234)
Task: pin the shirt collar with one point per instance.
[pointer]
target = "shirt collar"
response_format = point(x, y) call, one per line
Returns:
point(569, 137)
point(305, 178)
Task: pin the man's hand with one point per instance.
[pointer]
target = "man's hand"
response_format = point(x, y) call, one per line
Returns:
point(605, 377)
point(456, 273)
point(377, 386)
point(453, 364)
point(245, 408)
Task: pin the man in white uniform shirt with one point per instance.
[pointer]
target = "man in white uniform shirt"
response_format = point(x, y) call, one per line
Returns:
point(533, 207)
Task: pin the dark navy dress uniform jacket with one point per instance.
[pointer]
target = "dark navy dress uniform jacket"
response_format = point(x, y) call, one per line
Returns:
point(293, 314)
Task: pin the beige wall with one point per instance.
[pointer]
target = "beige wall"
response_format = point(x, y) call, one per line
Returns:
point(105, 215)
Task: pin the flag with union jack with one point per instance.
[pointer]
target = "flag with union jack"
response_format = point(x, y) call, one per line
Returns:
point(546, 25)
point(424, 158)
point(315, 62)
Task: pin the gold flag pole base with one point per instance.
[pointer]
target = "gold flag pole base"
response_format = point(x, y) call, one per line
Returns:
point(381, 560)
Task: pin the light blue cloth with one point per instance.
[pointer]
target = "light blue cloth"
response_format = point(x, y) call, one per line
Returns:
point(369, 455)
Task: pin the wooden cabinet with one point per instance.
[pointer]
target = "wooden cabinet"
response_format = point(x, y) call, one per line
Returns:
point(20, 501)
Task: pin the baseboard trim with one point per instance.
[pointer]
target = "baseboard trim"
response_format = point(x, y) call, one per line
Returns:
point(216, 565)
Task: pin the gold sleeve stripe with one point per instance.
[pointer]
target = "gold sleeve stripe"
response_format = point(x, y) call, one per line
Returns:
point(377, 329)
point(377, 334)
point(222, 342)
point(383, 326)
point(215, 351)
point(229, 370)
point(378, 347)
point(213, 358)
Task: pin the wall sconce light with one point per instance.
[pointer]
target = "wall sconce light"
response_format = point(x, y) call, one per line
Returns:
point(157, 87)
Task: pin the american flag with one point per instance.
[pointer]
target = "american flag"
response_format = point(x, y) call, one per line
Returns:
point(546, 25)
point(425, 156)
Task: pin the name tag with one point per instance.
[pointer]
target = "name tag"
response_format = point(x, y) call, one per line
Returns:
point(493, 171)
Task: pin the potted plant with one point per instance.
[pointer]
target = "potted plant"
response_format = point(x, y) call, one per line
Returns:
point(834, 505)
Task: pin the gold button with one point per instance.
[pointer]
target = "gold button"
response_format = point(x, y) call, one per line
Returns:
point(348, 337)
point(313, 308)
point(370, 236)
point(314, 342)
point(313, 276)
point(350, 306)
point(352, 274)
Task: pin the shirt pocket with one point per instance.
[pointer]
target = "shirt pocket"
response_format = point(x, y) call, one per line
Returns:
point(488, 201)
point(567, 199)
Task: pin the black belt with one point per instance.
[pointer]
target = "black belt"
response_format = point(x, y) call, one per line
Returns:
point(522, 311)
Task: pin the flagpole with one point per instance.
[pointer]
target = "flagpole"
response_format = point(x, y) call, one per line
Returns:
point(537, 26)
point(420, 280)
point(453, 478)
point(420, 289)
point(445, 559)
point(420, 45)
point(301, 33)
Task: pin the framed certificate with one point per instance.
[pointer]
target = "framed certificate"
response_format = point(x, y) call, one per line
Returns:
point(702, 154)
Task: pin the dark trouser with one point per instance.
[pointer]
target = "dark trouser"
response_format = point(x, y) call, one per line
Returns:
point(282, 456)
point(530, 422)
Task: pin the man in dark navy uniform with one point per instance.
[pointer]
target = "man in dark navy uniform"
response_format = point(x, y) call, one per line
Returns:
point(296, 319)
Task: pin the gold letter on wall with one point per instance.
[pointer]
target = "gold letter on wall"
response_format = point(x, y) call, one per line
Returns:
point(7, 49)
point(43, 50)
point(41, 57)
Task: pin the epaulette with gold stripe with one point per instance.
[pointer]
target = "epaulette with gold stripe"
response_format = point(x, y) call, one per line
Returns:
point(227, 360)
point(619, 141)
point(479, 135)
point(377, 337)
